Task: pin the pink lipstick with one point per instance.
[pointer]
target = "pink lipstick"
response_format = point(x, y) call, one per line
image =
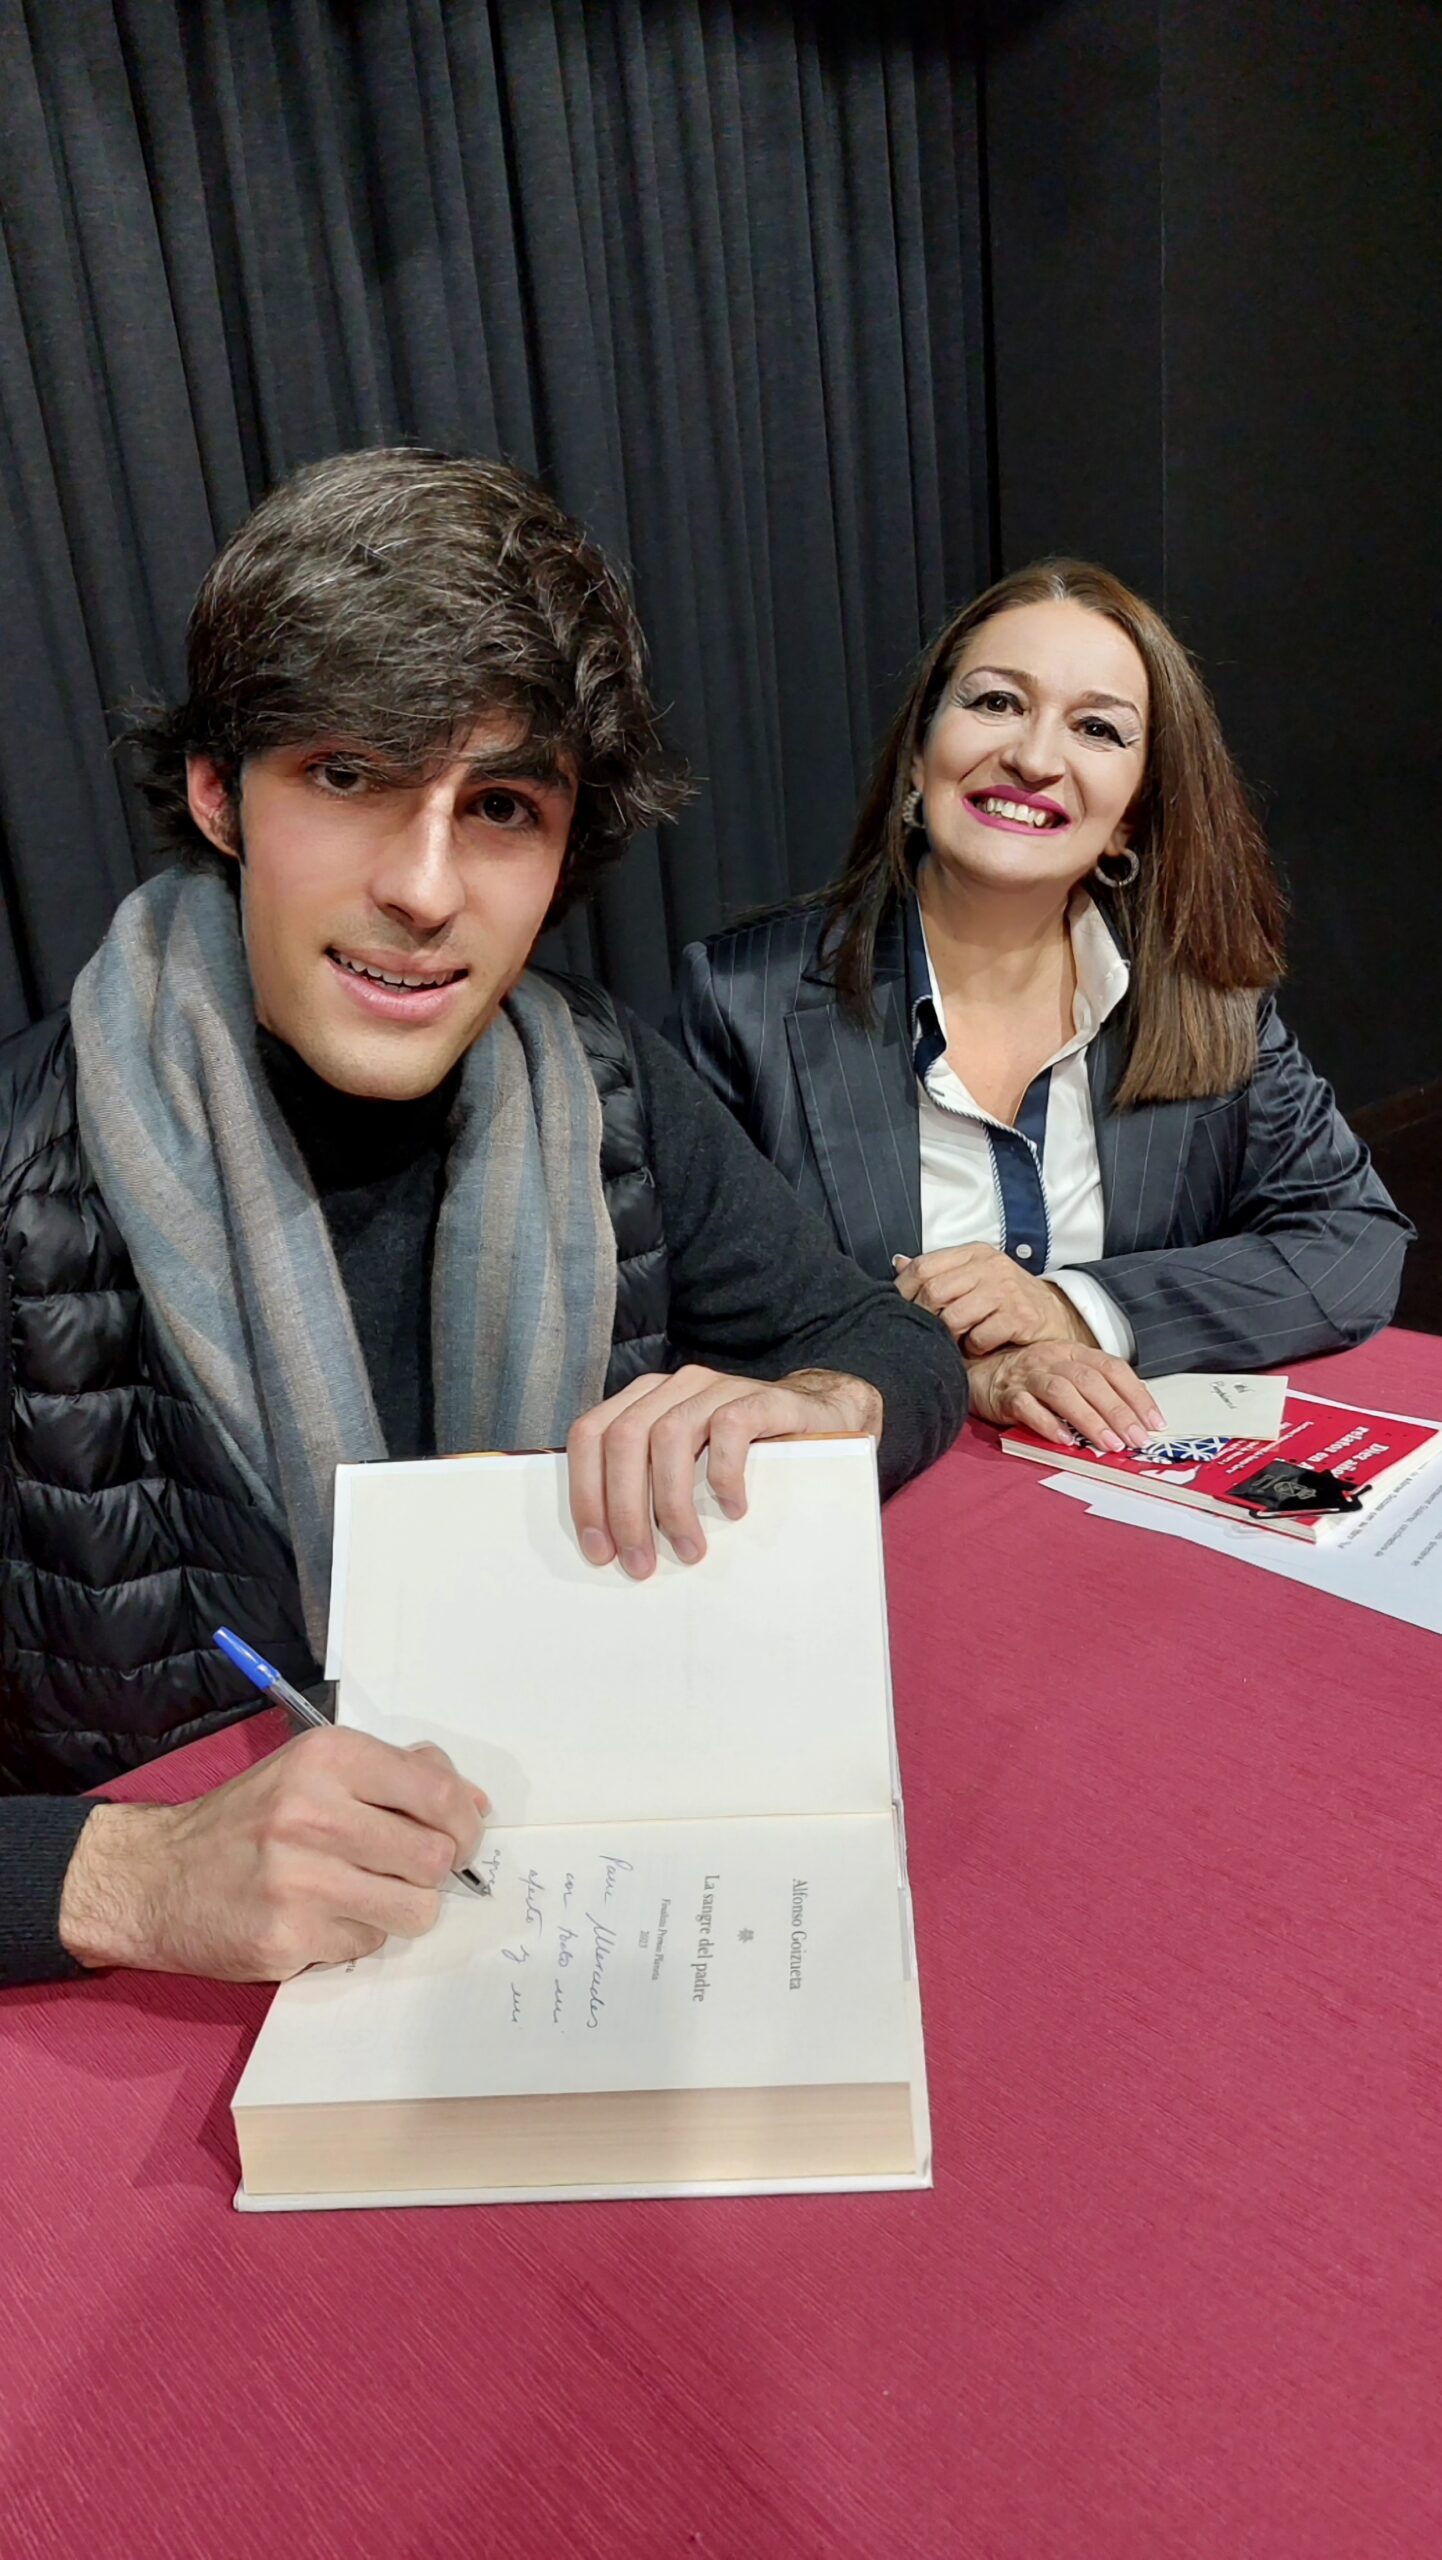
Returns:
point(1051, 817)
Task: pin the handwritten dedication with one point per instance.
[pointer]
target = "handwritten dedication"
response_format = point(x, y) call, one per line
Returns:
point(645, 1955)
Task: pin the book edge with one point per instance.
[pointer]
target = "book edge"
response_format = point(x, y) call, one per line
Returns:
point(892, 2182)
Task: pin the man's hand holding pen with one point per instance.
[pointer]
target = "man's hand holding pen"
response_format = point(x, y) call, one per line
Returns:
point(318, 1854)
point(338, 1840)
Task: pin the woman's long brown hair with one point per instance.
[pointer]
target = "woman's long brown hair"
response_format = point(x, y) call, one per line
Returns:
point(1202, 923)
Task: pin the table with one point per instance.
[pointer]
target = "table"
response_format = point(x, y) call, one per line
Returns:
point(1175, 1833)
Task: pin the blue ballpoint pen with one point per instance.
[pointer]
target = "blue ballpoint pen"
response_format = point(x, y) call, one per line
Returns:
point(267, 1678)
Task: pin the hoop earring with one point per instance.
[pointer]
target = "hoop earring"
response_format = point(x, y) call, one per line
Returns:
point(1121, 878)
point(911, 811)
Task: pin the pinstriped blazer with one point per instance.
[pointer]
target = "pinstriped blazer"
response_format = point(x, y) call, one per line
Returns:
point(1241, 1232)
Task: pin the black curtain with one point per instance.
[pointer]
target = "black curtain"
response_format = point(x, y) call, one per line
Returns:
point(712, 269)
point(1215, 271)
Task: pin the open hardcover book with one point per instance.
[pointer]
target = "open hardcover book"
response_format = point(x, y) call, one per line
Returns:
point(694, 1972)
point(1369, 1453)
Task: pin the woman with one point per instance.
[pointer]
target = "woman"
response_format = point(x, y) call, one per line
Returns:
point(1024, 1053)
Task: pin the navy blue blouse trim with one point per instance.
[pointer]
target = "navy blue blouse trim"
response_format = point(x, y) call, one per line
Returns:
point(1016, 1154)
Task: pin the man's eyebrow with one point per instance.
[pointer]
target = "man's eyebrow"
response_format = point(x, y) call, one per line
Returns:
point(534, 764)
point(545, 772)
point(1092, 701)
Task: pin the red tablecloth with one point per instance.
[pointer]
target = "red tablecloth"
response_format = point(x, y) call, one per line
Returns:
point(1175, 1836)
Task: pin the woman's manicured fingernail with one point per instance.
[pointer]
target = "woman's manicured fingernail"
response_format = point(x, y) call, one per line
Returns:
point(1157, 1420)
point(899, 1261)
point(596, 1546)
point(636, 1562)
point(1112, 1443)
point(733, 1510)
point(686, 1549)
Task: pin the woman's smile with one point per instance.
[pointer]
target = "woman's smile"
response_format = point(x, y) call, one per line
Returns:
point(1019, 812)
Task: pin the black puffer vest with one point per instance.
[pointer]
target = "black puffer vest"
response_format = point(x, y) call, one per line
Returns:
point(126, 1534)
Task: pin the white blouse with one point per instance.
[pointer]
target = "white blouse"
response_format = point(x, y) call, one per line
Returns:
point(965, 1186)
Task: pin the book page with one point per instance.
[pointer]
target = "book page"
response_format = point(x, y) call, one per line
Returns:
point(756, 1682)
point(639, 1956)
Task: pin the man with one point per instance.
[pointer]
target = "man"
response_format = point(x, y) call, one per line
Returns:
point(316, 1169)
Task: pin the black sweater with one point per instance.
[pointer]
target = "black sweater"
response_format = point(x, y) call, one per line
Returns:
point(757, 1284)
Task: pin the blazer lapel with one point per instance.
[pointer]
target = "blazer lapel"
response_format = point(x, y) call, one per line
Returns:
point(858, 1092)
point(1141, 1154)
point(1114, 1130)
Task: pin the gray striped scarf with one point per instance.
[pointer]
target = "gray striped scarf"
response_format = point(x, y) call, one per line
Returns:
point(231, 1248)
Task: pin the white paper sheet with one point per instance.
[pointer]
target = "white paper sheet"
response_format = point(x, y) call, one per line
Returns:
point(757, 1682)
point(1204, 1402)
point(1389, 1558)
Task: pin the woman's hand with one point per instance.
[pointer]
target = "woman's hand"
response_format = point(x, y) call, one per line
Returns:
point(1060, 1390)
point(985, 1300)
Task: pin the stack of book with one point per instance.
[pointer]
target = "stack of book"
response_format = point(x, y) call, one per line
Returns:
point(1239, 1477)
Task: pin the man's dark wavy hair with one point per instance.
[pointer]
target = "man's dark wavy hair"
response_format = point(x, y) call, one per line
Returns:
point(388, 600)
